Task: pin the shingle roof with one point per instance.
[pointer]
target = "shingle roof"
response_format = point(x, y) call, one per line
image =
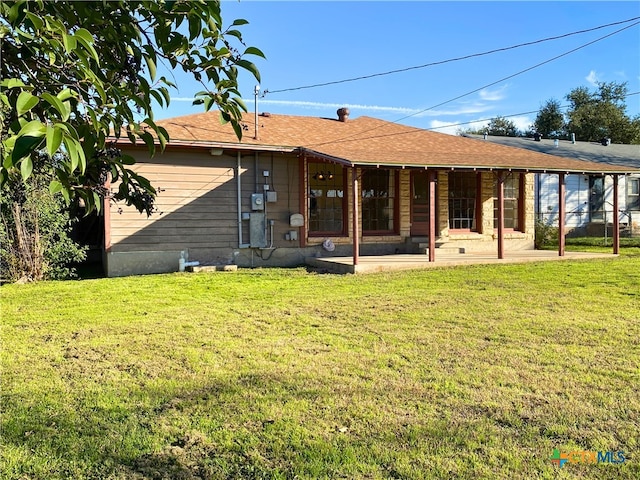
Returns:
point(367, 141)
point(613, 154)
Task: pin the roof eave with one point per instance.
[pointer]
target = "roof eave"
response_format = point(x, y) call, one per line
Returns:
point(358, 163)
point(214, 144)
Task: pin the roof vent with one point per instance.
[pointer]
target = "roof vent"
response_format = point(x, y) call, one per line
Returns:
point(265, 114)
point(343, 114)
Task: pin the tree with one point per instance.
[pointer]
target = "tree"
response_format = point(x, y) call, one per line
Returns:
point(550, 119)
point(500, 126)
point(35, 240)
point(593, 116)
point(75, 73)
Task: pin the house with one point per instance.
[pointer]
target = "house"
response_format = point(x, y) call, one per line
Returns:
point(589, 202)
point(298, 187)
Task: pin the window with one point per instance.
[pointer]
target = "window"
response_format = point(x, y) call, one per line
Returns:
point(511, 202)
point(463, 188)
point(326, 201)
point(379, 201)
point(633, 193)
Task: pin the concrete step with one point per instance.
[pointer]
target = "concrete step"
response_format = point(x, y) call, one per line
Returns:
point(444, 246)
point(419, 239)
point(212, 268)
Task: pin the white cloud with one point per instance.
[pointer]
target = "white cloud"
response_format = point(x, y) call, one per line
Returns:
point(452, 128)
point(592, 78)
point(416, 112)
point(493, 95)
point(321, 105)
point(468, 110)
point(522, 123)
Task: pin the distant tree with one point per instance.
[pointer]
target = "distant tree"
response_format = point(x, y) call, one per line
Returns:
point(498, 126)
point(550, 120)
point(74, 73)
point(501, 126)
point(601, 114)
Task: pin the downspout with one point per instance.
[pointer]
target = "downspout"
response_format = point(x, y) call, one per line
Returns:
point(562, 189)
point(106, 209)
point(538, 210)
point(255, 168)
point(106, 218)
point(239, 182)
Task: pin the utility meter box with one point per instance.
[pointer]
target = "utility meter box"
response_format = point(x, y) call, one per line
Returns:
point(296, 220)
point(257, 231)
point(272, 197)
point(257, 201)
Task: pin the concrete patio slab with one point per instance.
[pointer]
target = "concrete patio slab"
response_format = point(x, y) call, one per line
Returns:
point(370, 264)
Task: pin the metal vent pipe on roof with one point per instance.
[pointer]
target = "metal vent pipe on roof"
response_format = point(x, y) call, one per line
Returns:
point(256, 91)
point(343, 114)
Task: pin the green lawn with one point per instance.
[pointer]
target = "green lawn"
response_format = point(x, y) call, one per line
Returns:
point(474, 372)
point(629, 246)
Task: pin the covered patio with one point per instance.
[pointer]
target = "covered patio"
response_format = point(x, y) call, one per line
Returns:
point(439, 257)
point(383, 263)
point(486, 173)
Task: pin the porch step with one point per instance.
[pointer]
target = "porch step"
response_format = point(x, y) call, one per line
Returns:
point(418, 239)
point(445, 246)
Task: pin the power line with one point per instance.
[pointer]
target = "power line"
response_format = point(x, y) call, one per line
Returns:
point(488, 119)
point(441, 62)
point(562, 107)
point(483, 87)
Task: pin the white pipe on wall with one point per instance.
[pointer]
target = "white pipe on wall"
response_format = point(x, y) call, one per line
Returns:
point(238, 179)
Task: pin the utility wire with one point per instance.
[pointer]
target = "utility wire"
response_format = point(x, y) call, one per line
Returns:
point(441, 62)
point(345, 139)
point(562, 107)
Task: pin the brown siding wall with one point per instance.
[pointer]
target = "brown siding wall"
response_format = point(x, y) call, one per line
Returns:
point(195, 192)
point(197, 201)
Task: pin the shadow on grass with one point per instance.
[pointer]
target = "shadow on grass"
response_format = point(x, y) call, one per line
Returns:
point(226, 430)
point(40, 443)
point(265, 424)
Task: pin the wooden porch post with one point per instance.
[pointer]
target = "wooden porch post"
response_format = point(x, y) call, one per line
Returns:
point(304, 209)
point(616, 220)
point(500, 215)
point(561, 212)
point(432, 215)
point(356, 234)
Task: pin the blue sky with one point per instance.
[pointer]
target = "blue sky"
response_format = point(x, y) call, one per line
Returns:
point(315, 42)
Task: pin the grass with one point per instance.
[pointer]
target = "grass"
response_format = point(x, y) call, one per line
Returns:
point(629, 246)
point(474, 372)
